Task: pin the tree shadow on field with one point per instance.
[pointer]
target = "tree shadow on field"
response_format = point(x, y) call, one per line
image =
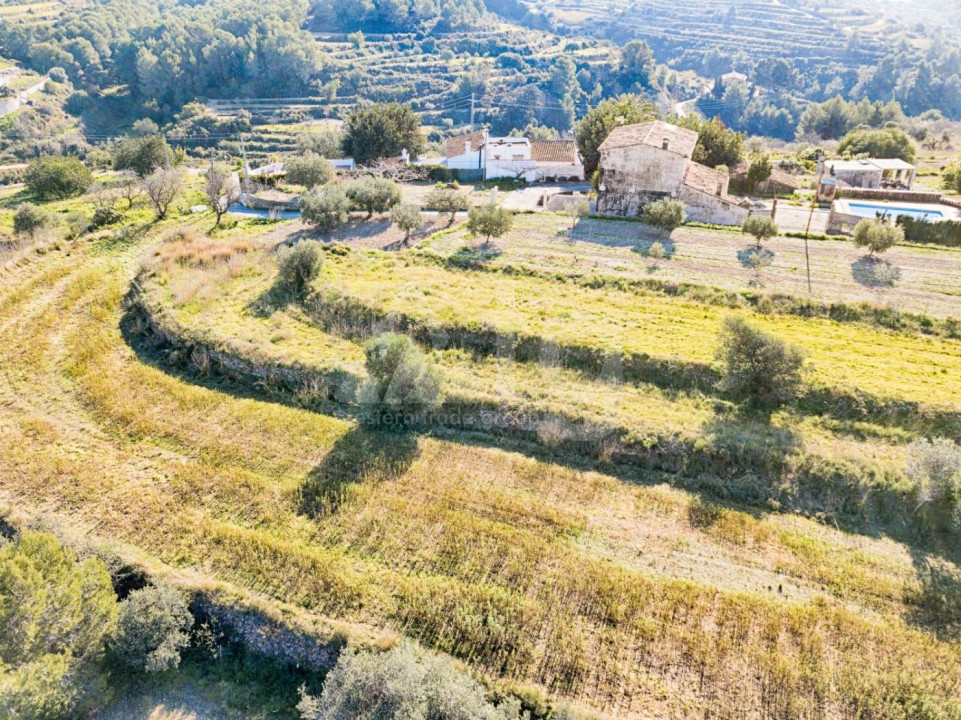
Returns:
point(475, 256)
point(875, 273)
point(361, 455)
point(935, 603)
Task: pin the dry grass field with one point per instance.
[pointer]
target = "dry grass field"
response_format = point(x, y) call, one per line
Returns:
point(634, 592)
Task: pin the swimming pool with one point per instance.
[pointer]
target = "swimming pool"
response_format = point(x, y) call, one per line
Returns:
point(870, 210)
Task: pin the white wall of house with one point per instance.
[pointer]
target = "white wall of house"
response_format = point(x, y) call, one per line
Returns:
point(473, 160)
point(558, 170)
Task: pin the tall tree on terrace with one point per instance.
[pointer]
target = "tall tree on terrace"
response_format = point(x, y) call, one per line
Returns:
point(594, 128)
point(383, 130)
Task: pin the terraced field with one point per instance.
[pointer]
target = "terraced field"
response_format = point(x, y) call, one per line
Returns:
point(675, 29)
point(609, 573)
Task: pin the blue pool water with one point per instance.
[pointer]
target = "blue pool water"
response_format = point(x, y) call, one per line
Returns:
point(870, 210)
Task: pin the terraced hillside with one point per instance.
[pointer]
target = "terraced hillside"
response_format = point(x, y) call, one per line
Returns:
point(760, 28)
point(619, 535)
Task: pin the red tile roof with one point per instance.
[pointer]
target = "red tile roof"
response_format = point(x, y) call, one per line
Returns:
point(777, 175)
point(457, 145)
point(707, 180)
point(557, 151)
point(680, 141)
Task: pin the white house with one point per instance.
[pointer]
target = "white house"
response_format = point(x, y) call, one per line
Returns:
point(514, 157)
point(872, 173)
point(733, 78)
point(651, 161)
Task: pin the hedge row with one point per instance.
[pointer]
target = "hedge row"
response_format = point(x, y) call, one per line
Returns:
point(946, 232)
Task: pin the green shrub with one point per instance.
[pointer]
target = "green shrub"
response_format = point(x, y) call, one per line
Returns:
point(665, 215)
point(309, 170)
point(656, 251)
point(489, 220)
point(758, 367)
point(29, 218)
point(374, 194)
point(877, 235)
point(55, 614)
point(407, 218)
point(143, 154)
point(326, 207)
point(77, 223)
point(402, 382)
point(759, 170)
point(299, 265)
point(888, 142)
point(935, 466)
point(104, 216)
point(405, 683)
point(762, 227)
point(57, 177)
point(152, 629)
point(918, 230)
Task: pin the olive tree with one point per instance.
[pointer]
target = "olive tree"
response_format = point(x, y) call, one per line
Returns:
point(404, 683)
point(221, 188)
point(762, 227)
point(877, 235)
point(326, 207)
point(489, 220)
point(447, 200)
point(162, 187)
point(407, 218)
point(665, 215)
point(299, 265)
point(152, 629)
point(757, 366)
point(374, 194)
point(129, 187)
point(401, 380)
point(935, 465)
point(309, 170)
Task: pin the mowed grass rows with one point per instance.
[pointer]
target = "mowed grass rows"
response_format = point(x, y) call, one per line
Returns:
point(885, 364)
point(571, 580)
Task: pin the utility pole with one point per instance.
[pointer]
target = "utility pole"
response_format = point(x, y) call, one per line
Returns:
point(807, 230)
point(472, 112)
point(163, 139)
point(243, 151)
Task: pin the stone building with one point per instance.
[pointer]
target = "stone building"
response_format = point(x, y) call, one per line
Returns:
point(650, 161)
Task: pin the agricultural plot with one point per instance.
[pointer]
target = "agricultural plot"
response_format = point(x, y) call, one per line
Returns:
point(696, 557)
point(927, 280)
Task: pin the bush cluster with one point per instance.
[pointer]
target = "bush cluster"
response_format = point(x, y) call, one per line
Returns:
point(60, 621)
point(405, 683)
point(401, 381)
point(299, 265)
